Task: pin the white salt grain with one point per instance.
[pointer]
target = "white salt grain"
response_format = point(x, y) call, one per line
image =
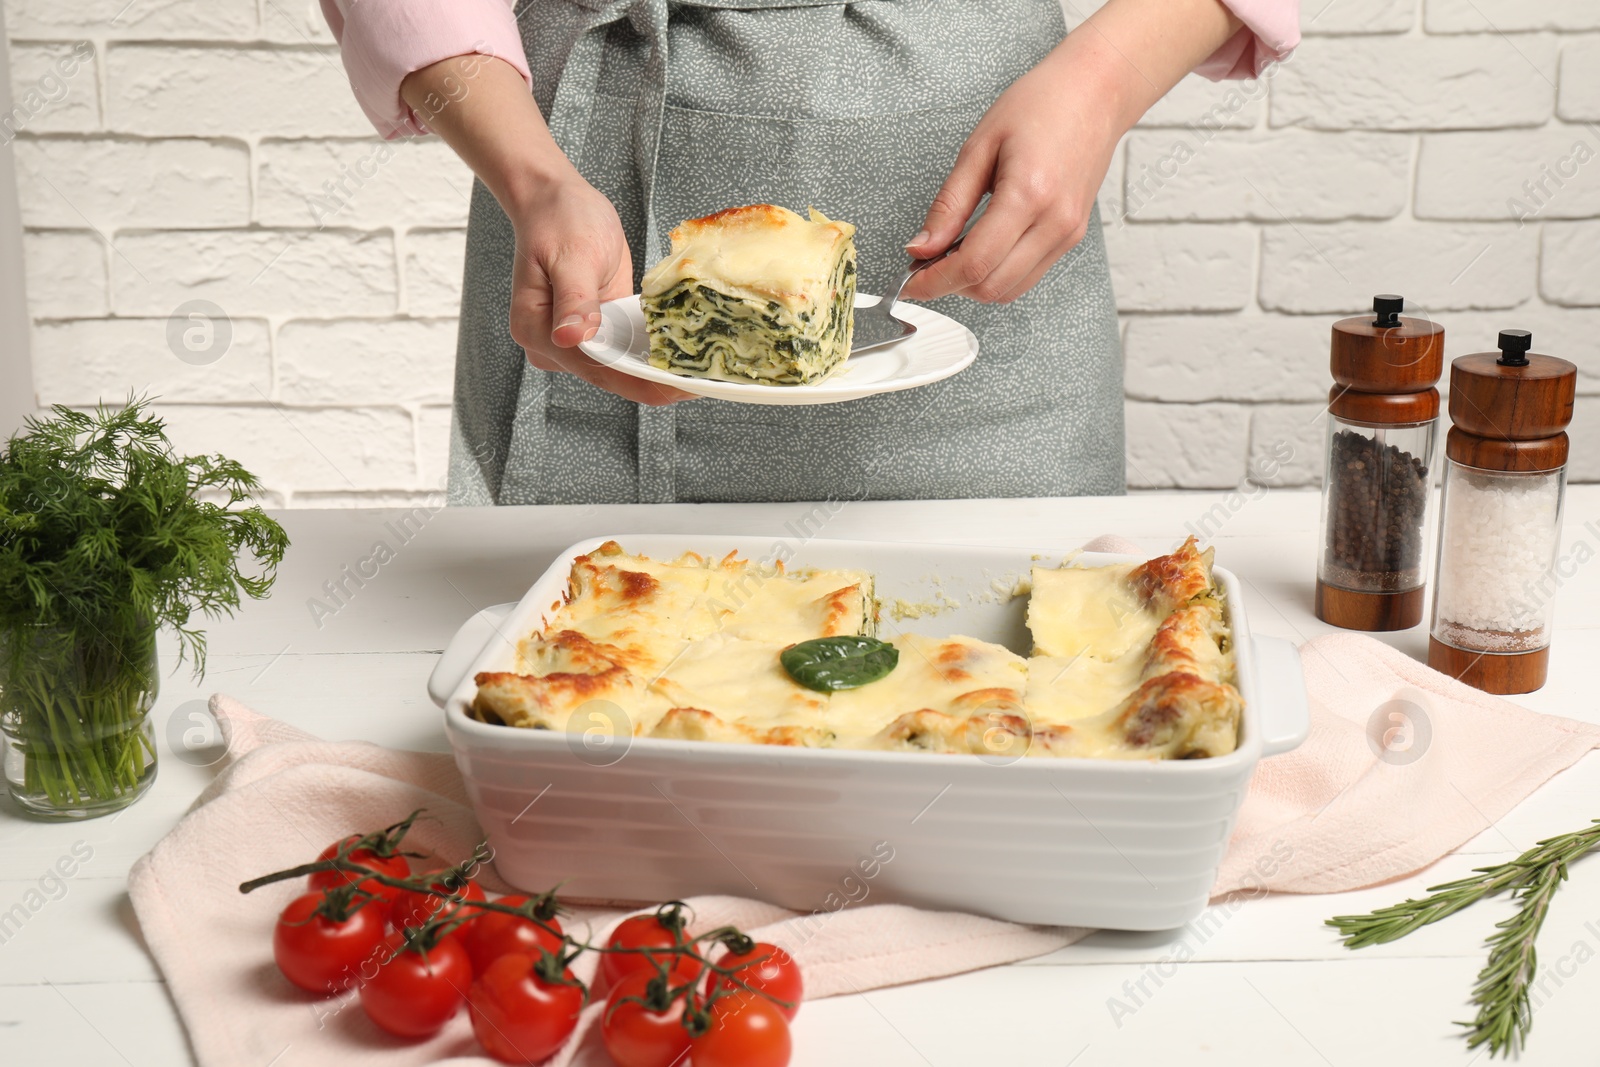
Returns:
point(1500, 538)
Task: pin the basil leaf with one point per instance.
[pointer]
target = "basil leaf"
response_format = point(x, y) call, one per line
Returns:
point(827, 664)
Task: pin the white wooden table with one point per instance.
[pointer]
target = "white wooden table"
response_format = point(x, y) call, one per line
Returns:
point(1269, 985)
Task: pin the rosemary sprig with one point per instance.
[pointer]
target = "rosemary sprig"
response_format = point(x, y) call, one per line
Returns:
point(1501, 993)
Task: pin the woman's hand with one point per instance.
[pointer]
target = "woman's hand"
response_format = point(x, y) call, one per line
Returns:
point(1044, 146)
point(1042, 150)
point(571, 252)
point(571, 257)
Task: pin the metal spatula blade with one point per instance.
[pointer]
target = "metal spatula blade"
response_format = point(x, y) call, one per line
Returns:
point(876, 325)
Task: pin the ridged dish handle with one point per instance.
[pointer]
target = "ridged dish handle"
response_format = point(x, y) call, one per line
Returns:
point(463, 651)
point(1286, 718)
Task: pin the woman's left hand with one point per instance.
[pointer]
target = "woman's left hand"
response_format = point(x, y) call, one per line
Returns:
point(1042, 149)
point(1044, 146)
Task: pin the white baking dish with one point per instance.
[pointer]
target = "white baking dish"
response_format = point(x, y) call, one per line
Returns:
point(1122, 845)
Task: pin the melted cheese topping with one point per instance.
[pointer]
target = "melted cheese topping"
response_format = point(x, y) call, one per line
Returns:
point(1130, 662)
point(637, 612)
point(740, 681)
point(787, 610)
point(762, 249)
point(1062, 689)
point(950, 675)
point(611, 588)
point(1089, 611)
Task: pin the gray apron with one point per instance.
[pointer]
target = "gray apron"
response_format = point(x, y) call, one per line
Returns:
point(859, 110)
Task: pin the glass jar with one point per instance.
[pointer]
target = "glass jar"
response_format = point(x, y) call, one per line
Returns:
point(1375, 500)
point(75, 720)
point(1499, 535)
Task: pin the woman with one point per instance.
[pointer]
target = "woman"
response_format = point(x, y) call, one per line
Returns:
point(643, 113)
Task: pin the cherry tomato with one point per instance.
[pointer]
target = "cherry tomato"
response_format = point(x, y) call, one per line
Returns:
point(634, 1035)
point(643, 931)
point(746, 1031)
point(323, 956)
point(492, 934)
point(518, 1016)
point(415, 993)
point(767, 969)
point(412, 908)
point(393, 866)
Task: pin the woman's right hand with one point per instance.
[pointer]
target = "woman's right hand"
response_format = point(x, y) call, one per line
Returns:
point(570, 250)
point(571, 257)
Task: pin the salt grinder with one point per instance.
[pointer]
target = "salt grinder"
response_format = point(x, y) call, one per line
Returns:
point(1382, 431)
point(1500, 527)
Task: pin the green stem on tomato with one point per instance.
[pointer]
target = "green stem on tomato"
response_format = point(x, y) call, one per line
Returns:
point(552, 966)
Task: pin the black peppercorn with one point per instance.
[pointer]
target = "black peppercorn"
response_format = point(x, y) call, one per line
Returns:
point(1379, 498)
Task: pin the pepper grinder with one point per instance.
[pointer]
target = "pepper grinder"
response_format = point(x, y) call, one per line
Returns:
point(1382, 430)
point(1500, 531)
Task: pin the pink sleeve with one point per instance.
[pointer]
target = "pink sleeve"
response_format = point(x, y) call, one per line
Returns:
point(384, 40)
point(1270, 32)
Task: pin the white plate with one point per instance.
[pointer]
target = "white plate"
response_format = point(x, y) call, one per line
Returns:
point(940, 347)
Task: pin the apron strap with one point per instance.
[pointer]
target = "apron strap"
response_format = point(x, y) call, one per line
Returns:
point(570, 115)
point(573, 107)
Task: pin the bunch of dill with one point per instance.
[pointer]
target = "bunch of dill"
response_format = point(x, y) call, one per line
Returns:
point(107, 534)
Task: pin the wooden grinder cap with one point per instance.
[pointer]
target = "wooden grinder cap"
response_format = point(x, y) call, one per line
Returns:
point(1387, 353)
point(1512, 394)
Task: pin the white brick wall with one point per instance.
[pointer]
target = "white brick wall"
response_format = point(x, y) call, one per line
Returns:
point(80, 361)
point(1506, 16)
point(172, 151)
point(1272, 175)
point(1357, 16)
point(1414, 82)
point(106, 184)
point(365, 361)
point(1578, 99)
point(1327, 267)
point(182, 19)
point(1510, 174)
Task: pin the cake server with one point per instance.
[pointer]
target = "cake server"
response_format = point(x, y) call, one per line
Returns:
point(876, 326)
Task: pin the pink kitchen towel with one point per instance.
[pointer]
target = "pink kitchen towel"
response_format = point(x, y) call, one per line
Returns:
point(1402, 766)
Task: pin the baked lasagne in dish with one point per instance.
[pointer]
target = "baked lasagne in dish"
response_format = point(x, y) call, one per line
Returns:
point(1129, 661)
point(753, 294)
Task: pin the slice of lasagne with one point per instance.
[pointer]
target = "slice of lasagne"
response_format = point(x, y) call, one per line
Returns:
point(1132, 661)
point(753, 294)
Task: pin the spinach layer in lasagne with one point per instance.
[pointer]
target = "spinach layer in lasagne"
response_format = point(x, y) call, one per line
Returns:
point(1130, 661)
point(754, 294)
